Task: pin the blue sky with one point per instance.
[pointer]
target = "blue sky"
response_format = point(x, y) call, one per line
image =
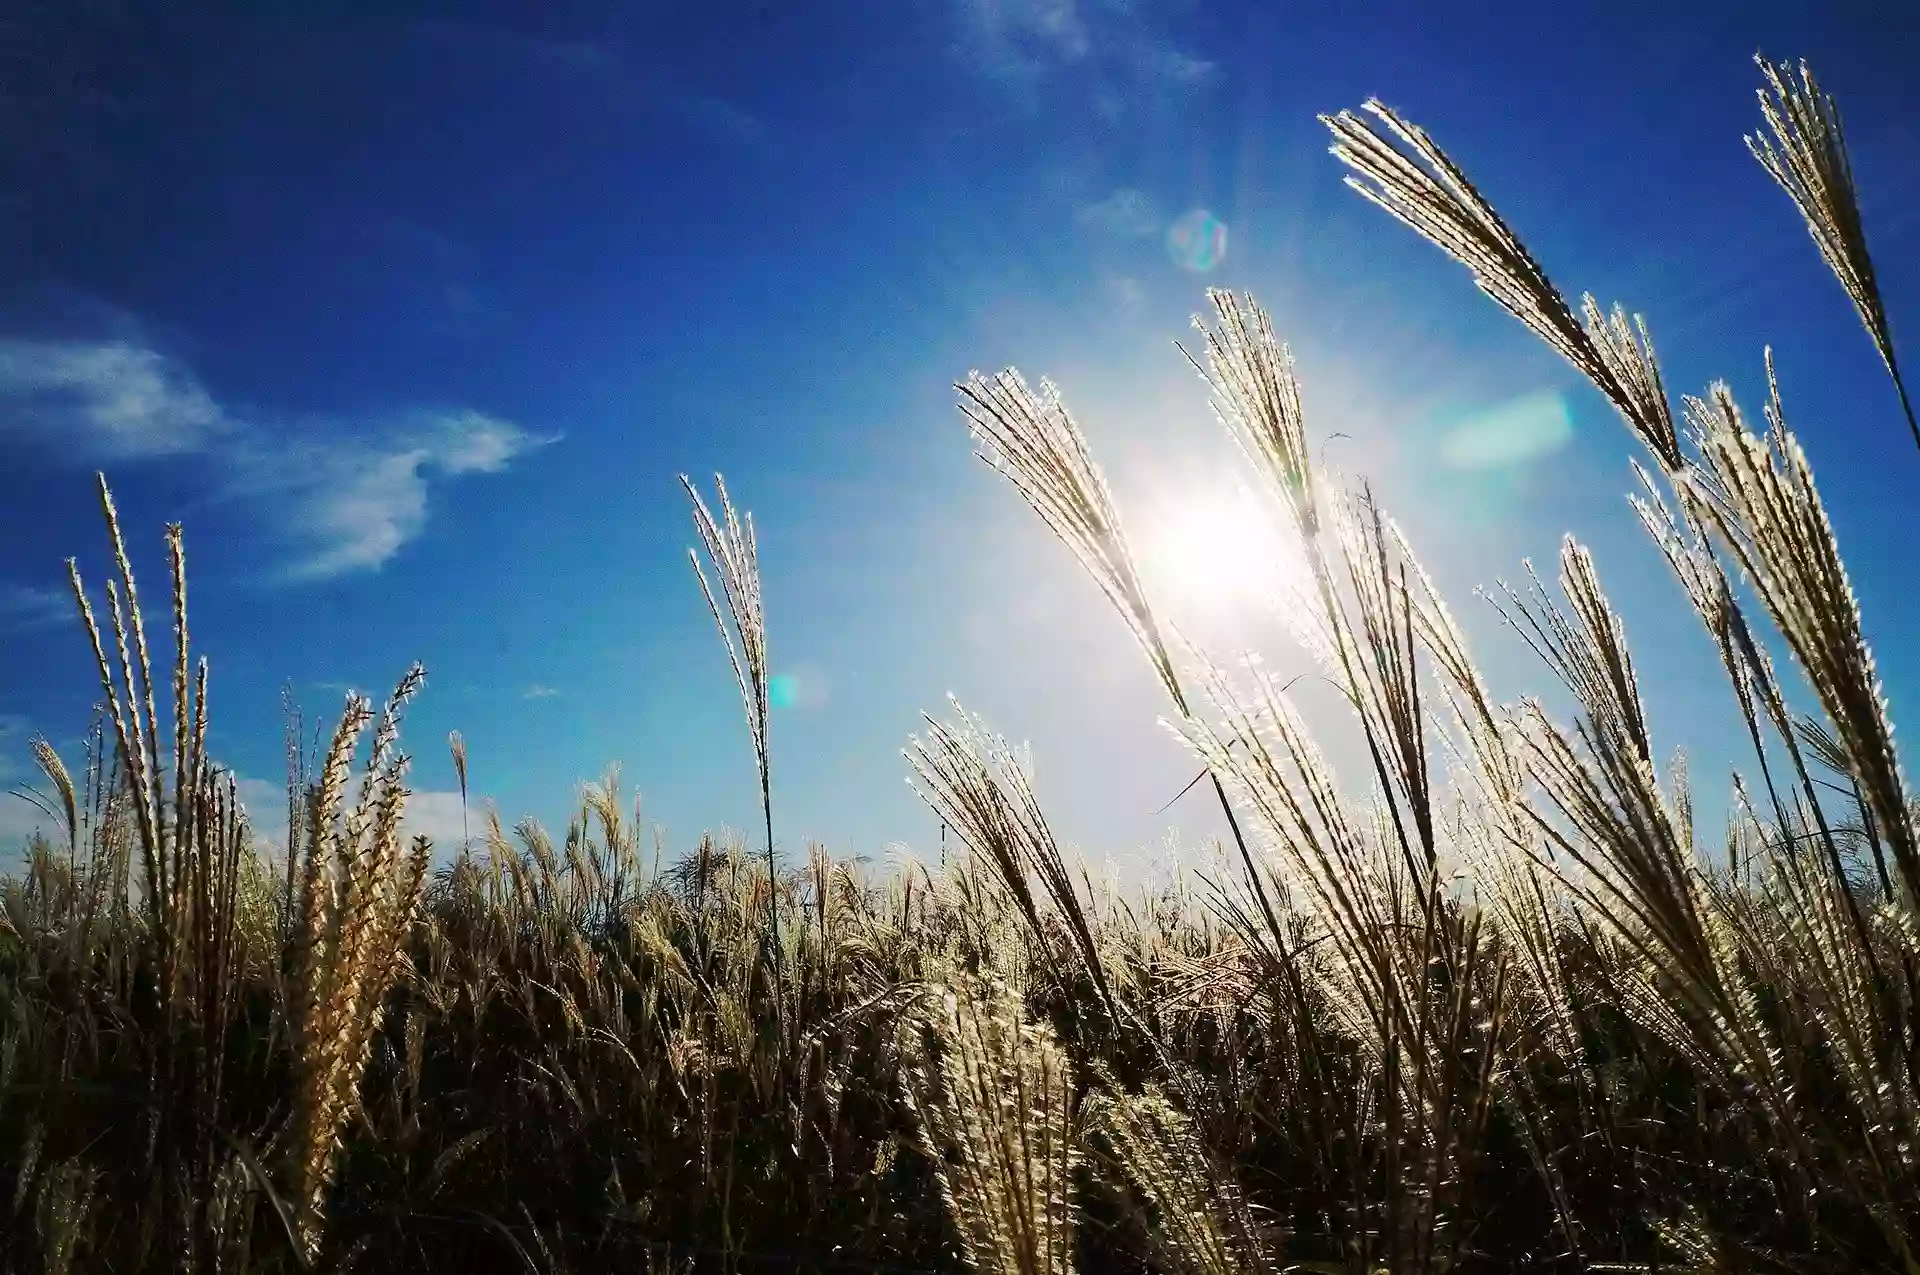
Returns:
point(412, 313)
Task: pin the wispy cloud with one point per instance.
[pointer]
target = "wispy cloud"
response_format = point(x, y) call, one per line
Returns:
point(605, 62)
point(345, 503)
point(1168, 65)
point(537, 691)
point(111, 399)
point(1024, 43)
point(1023, 37)
point(30, 606)
point(19, 818)
point(1125, 211)
point(1126, 294)
point(340, 495)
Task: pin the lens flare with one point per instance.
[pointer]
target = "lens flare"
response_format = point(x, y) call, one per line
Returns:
point(1510, 435)
point(1197, 241)
point(798, 688)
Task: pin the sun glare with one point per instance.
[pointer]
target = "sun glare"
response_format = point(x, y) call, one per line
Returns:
point(1213, 551)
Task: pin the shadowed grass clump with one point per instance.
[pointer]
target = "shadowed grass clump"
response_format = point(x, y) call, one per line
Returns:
point(1490, 1002)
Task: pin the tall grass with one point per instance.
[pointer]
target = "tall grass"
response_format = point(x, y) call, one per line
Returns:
point(1489, 1003)
point(734, 553)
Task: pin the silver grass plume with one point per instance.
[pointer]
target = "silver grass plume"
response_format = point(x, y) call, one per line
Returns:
point(1265, 751)
point(1195, 1216)
point(1807, 155)
point(1604, 782)
point(979, 788)
point(56, 772)
point(457, 747)
point(1032, 441)
point(1636, 868)
point(1398, 167)
point(1492, 831)
point(1758, 494)
point(358, 894)
point(734, 552)
point(1256, 397)
point(996, 1119)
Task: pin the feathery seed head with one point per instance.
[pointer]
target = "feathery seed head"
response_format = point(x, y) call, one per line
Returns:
point(1257, 397)
point(1032, 440)
point(1805, 151)
point(1758, 494)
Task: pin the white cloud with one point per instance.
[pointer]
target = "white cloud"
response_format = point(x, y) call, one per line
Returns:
point(1172, 66)
point(537, 691)
point(106, 399)
point(1019, 37)
point(28, 606)
point(437, 814)
point(1125, 211)
point(347, 504)
point(472, 443)
point(341, 495)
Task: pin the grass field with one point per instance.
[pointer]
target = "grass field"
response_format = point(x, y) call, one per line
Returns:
point(1488, 1006)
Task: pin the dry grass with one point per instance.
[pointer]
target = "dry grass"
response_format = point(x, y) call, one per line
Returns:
point(996, 1106)
point(730, 547)
point(359, 890)
point(1805, 150)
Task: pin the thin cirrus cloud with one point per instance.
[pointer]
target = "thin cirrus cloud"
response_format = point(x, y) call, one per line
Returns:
point(1125, 212)
point(339, 496)
point(28, 606)
point(1023, 43)
point(349, 504)
point(620, 68)
point(110, 399)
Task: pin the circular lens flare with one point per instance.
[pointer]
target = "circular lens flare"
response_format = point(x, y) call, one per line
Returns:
point(1197, 241)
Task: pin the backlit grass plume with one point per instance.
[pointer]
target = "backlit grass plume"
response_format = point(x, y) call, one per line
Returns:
point(1398, 167)
point(359, 888)
point(1805, 150)
point(1506, 1000)
point(996, 1109)
point(1194, 1214)
point(732, 550)
point(983, 792)
point(1030, 439)
point(457, 749)
point(1758, 493)
point(193, 837)
point(1257, 398)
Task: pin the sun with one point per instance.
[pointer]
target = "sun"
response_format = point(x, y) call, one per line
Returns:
point(1212, 550)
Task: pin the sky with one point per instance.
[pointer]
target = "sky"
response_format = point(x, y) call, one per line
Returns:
point(413, 313)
